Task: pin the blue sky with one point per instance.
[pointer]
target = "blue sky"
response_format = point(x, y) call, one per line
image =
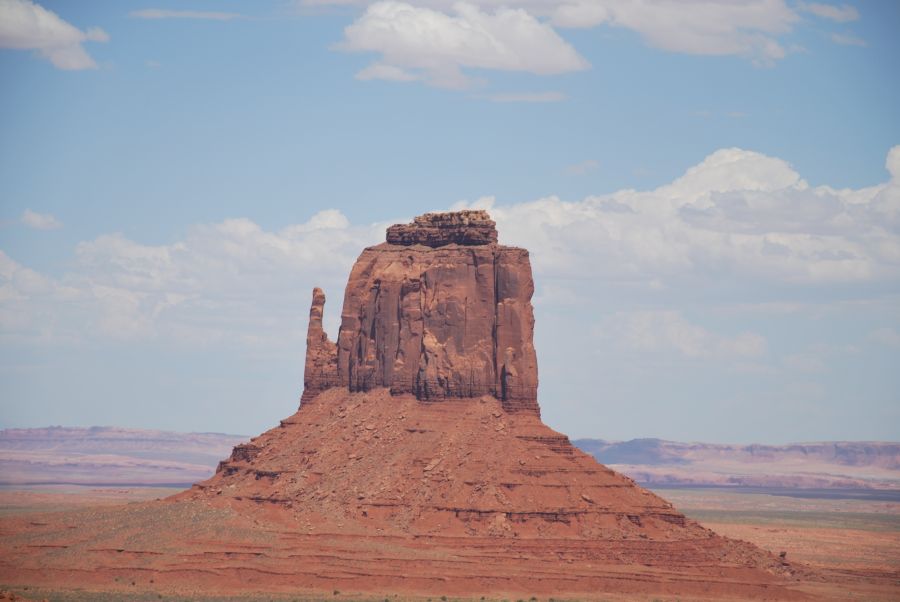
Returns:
point(708, 191)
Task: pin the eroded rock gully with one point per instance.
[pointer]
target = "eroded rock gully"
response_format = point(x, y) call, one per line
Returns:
point(417, 463)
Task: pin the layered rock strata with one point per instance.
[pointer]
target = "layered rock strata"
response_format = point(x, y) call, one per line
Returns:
point(472, 227)
point(439, 311)
point(462, 467)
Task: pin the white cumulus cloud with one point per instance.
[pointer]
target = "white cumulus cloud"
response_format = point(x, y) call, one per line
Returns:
point(25, 25)
point(228, 282)
point(435, 46)
point(736, 218)
point(746, 28)
point(737, 213)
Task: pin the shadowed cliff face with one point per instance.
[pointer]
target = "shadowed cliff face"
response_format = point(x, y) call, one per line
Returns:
point(439, 311)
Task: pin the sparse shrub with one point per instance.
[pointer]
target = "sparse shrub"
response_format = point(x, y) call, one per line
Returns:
point(336, 592)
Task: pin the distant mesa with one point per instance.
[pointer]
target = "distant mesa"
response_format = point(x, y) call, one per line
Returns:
point(109, 456)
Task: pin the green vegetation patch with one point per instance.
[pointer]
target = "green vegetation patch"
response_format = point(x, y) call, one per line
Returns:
point(862, 521)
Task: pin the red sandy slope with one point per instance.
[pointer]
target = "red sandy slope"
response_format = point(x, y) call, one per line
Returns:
point(373, 493)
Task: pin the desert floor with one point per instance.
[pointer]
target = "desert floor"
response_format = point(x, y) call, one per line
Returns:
point(834, 532)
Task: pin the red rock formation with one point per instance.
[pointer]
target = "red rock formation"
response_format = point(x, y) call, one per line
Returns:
point(473, 227)
point(461, 466)
point(321, 354)
point(439, 311)
point(371, 486)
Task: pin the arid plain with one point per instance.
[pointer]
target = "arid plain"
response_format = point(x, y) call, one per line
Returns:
point(853, 541)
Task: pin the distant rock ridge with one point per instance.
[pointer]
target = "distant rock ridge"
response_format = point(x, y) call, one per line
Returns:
point(439, 311)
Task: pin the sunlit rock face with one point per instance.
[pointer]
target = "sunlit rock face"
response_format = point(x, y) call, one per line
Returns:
point(440, 311)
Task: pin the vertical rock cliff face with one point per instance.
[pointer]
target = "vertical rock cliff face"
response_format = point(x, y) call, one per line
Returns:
point(440, 310)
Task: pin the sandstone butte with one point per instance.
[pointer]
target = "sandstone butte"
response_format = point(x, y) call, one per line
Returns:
point(417, 464)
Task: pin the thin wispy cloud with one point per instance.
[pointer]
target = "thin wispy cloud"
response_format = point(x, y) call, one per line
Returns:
point(159, 13)
point(25, 25)
point(40, 221)
point(670, 331)
point(832, 12)
point(390, 73)
point(583, 167)
point(538, 97)
point(847, 40)
point(707, 114)
point(886, 336)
